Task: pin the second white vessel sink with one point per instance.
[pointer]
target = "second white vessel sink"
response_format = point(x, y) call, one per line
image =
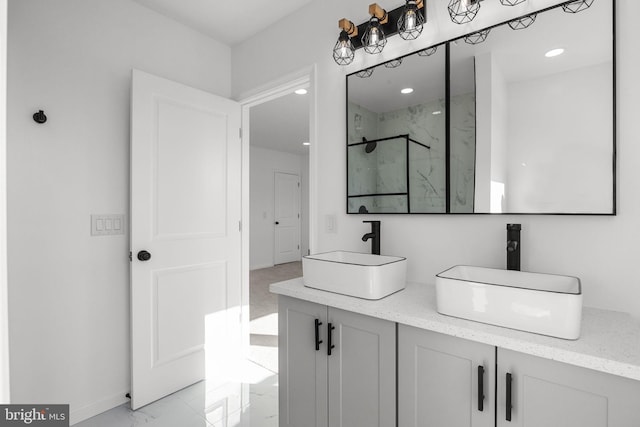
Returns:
point(545, 304)
point(355, 274)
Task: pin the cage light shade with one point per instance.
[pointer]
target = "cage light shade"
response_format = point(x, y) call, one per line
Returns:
point(365, 74)
point(511, 2)
point(394, 63)
point(463, 11)
point(478, 37)
point(577, 6)
point(411, 21)
point(524, 22)
point(343, 51)
point(428, 51)
point(374, 39)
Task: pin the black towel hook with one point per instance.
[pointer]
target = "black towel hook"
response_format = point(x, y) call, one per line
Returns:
point(39, 117)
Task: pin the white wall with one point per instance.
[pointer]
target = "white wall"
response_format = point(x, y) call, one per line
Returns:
point(263, 165)
point(4, 316)
point(69, 292)
point(602, 251)
point(555, 170)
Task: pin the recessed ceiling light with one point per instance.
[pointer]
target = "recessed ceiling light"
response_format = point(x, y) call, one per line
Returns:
point(554, 52)
point(435, 113)
point(306, 143)
point(406, 90)
point(301, 92)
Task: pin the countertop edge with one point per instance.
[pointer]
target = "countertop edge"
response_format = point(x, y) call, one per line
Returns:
point(492, 335)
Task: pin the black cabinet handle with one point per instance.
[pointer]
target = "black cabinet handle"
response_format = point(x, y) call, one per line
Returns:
point(330, 345)
point(480, 388)
point(318, 340)
point(509, 407)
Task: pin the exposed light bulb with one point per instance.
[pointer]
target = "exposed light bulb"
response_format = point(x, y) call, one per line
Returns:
point(343, 51)
point(411, 21)
point(374, 39)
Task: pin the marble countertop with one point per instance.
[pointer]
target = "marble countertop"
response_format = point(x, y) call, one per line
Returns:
point(609, 341)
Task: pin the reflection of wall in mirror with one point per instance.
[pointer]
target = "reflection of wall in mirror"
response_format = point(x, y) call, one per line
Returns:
point(559, 134)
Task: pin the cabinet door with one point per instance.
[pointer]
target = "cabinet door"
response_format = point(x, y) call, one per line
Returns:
point(545, 393)
point(303, 369)
point(362, 371)
point(440, 378)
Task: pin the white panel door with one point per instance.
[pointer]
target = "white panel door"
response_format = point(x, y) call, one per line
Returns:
point(287, 218)
point(185, 213)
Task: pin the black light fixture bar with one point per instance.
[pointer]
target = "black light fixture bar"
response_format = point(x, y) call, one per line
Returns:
point(390, 28)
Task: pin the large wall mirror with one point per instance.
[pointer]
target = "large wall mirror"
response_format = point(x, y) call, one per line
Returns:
point(516, 130)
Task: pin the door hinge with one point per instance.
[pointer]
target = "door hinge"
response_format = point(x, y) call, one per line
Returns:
point(239, 225)
point(298, 185)
point(130, 256)
point(240, 132)
point(298, 246)
point(298, 216)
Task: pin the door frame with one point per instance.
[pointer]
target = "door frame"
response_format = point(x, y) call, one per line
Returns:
point(305, 77)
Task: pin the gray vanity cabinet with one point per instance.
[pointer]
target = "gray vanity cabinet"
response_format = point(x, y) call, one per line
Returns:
point(553, 394)
point(438, 386)
point(353, 386)
point(444, 381)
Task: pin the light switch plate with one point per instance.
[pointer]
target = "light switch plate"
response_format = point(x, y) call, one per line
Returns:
point(107, 225)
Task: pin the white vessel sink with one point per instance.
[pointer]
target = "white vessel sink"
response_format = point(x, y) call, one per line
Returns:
point(544, 304)
point(355, 274)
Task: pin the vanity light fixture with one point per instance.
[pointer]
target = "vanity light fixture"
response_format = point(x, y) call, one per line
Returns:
point(394, 63)
point(463, 11)
point(301, 91)
point(428, 52)
point(554, 52)
point(524, 22)
point(577, 6)
point(406, 90)
point(343, 51)
point(511, 2)
point(374, 39)
point(411, 21)
point(477, 37)
point(365, 74)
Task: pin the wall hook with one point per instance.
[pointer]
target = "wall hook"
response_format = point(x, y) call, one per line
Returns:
point(39, 117)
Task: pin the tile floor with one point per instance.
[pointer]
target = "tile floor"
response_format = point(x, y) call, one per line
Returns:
point(248, 397)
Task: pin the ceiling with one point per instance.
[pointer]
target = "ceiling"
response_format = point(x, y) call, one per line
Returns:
point(281, 124)
point(228, 21)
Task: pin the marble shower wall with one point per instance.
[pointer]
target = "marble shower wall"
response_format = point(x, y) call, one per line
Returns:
point(385, 169)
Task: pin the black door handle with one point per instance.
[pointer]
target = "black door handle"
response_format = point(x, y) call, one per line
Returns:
point(277, 223)
point(508, 397)
point(480, 388)
point(330, 345)
point(318, 340)
point(144, 256)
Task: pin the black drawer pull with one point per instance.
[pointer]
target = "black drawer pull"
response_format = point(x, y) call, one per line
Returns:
point(329, 344)
point(318, 340)
point(509, 406)
point(480, 388)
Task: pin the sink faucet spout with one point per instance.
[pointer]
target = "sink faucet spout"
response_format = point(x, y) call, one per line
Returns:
point(374, 236)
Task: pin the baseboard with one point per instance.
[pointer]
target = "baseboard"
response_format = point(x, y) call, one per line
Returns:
point(260, 266)
point(86, 412)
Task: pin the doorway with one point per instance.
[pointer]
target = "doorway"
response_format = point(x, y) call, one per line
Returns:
point(279, 135)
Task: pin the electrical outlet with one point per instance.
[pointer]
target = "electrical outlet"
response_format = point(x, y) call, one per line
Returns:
point(330, 225)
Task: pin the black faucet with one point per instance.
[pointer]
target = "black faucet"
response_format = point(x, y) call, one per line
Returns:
point(513, 246)
point(374, 236)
